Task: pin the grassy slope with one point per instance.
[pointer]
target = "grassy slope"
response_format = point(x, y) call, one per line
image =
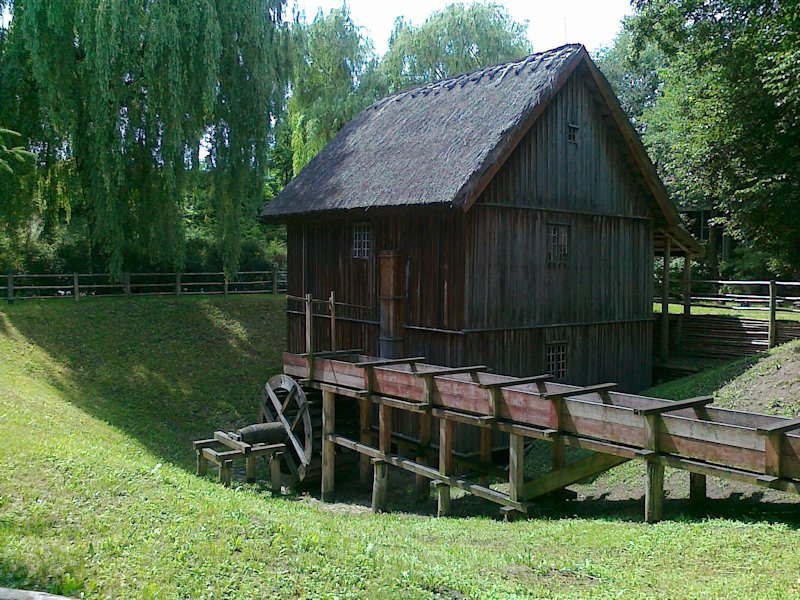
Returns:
point(98, 405)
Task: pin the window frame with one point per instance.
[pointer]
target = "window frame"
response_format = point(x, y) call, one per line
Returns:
point(556, 358)
point(362, 241)
point(558, 244)
point(573, 131)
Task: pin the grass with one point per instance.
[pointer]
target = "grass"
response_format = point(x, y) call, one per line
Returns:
point(677, 309)
point(99, 402)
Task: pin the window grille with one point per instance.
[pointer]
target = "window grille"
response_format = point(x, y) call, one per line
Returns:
point(557, 359)
point(557, 244)
point(572, 133)
point(362, 240)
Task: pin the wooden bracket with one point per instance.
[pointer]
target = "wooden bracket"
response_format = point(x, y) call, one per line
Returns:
point(591, 389)
point(333, 353)
point(773, 443)
point(390, 361)
point(519, 381)
point(782, 426)
point(670, 406)
point(453, 371)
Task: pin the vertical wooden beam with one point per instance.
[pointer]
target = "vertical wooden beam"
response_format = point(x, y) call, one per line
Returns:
point(10, 288)
point(328, 447)
point(654, 483)
point(225, 286)
point(126, 284)
point(485, 452)
point(365, 429)
point(250, 467)
point(654, 493)
point(275, 280)
point(392, 299)
point(76, 287)
point(385, 428)
point(664, 353)
point(380, 485)
point(310, 334)
point(275, 472)
point(516, 465)
point(773, 321)
point(202, 463)
point(442, 498)
point(425, 420)
point(177, 284)
point(687, 286)
point(225, 472)
point(332, 302)
point(557, 448)
point(773, 443)
point(697, 488)
point(445, 464)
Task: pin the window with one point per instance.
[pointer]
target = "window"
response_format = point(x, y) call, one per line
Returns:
point(557, 359)
point(557, 244)
point(362, 240)
point(572, 133)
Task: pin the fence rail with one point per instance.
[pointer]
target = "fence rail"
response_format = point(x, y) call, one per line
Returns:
point(23, 286)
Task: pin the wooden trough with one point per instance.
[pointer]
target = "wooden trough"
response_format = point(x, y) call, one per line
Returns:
point(688, 435)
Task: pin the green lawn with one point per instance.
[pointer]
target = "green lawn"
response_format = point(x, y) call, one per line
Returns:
point(99, 402)
point(677, 309)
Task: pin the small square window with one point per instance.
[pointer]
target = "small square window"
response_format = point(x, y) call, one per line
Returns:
point(362, 240)
point(572, 133)
point(557, 359)
point(557, 244)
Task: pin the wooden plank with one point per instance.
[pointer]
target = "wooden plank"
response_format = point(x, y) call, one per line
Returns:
point(515, 382)
point(385, 428)
point(390, 361)
point(516, 466)
point(365, 435)
point(673, 405)
point(380, 485)
point(453, 371)
point(225, 439)
point(400, 404)
point(328, 447)
point(431, 473)
point(654, 492)
point(459, 417)
point(591, 389)
point(571, 473)
point(780, 426)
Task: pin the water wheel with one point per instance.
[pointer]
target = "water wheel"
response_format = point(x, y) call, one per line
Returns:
point(285, 402)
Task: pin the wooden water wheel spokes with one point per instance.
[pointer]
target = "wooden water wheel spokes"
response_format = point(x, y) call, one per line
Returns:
point(284, 401)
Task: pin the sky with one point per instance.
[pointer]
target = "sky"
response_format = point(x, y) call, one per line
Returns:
point(593, 23)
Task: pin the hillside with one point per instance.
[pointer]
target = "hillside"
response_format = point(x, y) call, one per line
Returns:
point(99, 402)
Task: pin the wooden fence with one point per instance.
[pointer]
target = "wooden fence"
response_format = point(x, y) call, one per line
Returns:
point(80, 285)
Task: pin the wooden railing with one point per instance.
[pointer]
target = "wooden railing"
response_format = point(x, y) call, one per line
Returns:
point(81, 285)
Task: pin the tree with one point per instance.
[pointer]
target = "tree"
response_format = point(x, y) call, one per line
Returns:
point(457, 39)
point(724, 129)
point(14, 154)
point(128, 92)
point(332, 81)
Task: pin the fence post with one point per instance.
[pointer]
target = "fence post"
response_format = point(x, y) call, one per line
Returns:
point(665, 301)
point(226, 285)
point(687, 286)
point(126, 283)
point(275, 279)
point(333, 320)
point(177, 284)
point(773, 322)
point(76, 288)
point(10, 287)
point(310, 334)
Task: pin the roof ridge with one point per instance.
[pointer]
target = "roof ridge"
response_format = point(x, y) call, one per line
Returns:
point(475, 75)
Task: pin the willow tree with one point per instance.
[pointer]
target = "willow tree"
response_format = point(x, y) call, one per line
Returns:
point(139, 90)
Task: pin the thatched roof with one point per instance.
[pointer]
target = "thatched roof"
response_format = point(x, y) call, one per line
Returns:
point(441, 143)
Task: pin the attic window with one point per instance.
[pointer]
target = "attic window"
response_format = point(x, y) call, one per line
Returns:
point(557, 244)
point(557, 359)
point(572, 133)
point(362, 240)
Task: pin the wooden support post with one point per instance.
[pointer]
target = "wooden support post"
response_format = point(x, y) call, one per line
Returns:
point(177, 284)
point(654, 484)
point(328, 447)
point(225, 285)
point(365, 428)
point(442, 498)
point(76, 287)
point(10, 289)
point(687, 286)
point(202, 463)
point(773, 321)
point(654, 492)
point(445, 464)
point(385, 428)
point(664, 352)
point(332, 302)
point(486, 453)
point(557, 448)
point(310, 335)
point(380, 485)
point(275, 280)
point(275, 472)
point(425, 420)
point(225, 468)
point(516, 465)
point(697, 488)
point(126, 284)
point(250, 467)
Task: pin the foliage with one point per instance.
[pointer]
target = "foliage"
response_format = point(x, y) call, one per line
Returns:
point(99, 402)
point(10, 155)
point(125, 94)
point(723, 130)
point(459, 38)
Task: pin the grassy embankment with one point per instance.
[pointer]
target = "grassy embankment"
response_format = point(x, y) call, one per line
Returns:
point(99, 402)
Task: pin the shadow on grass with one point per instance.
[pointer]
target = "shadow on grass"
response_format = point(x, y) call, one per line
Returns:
point(163, 370)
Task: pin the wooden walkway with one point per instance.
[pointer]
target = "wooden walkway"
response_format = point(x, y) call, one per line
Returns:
point(688, 435)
